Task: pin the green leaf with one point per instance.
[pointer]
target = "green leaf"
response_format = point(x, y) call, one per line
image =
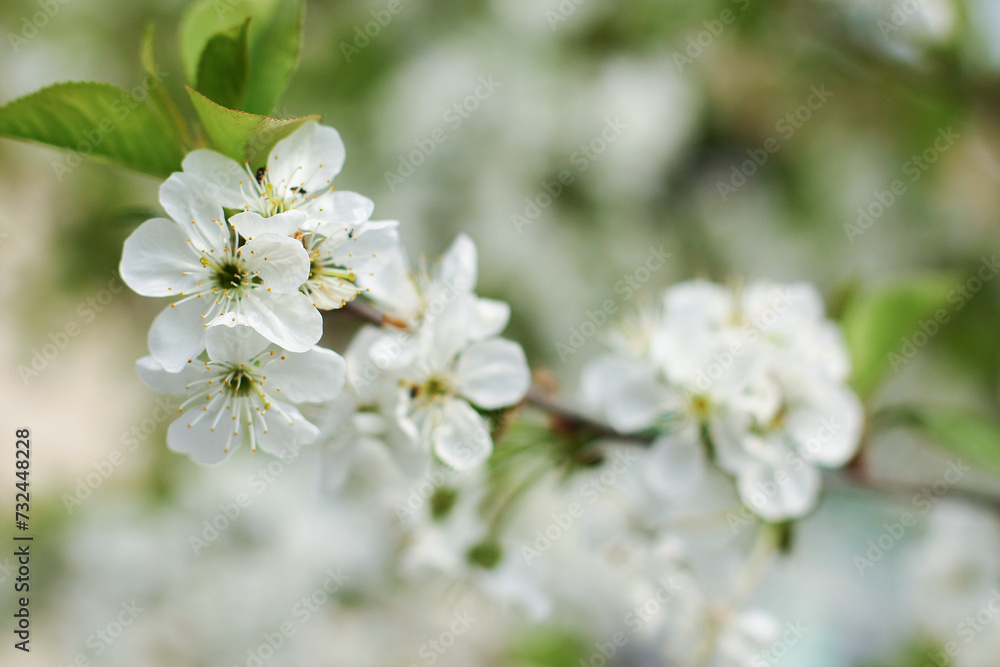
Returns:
point(159, 98)
point(241, 135)
point(224, 69)
point(877, 323)
point(275, 39)
point(972, 437)
point(95, 120)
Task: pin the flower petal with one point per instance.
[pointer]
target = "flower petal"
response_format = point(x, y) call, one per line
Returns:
point(178, 333)
point(286, 432)
point(288, 320)
point(457, 267)
point(158, 261)
point(340, 208)
point(198, 440)
point(251, 224)
point(180, 196)
point(281, 262)
point(307, 377)
point(237, 344)
point(676, 462)
point(493, 373)
point(309, 158)
point(776, 491)
point(627, 391)
point(219, 178)
point(460, 437)
point(153, 374)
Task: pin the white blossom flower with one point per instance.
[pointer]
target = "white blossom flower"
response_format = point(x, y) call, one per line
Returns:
point(447, 366)
point(298, 176)
point(754, 377)
point(245, 392)
point(413, 296)
point(197, 256)
point(343, 260)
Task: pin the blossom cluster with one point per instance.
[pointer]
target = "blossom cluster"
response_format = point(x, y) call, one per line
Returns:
point(751, 379)
point(251, 257)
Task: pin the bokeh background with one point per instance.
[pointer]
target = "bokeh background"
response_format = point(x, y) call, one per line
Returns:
point(695, 96)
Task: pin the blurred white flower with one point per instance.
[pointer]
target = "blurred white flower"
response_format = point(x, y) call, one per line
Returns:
point(244, 392)
point(753, 377)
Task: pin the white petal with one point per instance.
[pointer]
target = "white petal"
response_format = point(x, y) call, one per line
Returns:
point(180, 197)
point(493, 373)
point(307, 377)
point(219, 178)
point(198, 440)
point(281, 262)
point(697, 304)
point(309, 158)
point(341, 208)
point(251, 224)
point(828, 431)
point(288, 320)
point(158, 261)
point(492, 318)
point(676, 462)
point(178, 333)
point(236, 344)
point(628, 392)
point(779, 491)
point(153, 374)
point(460, 437)
point(287, 431)
point(458, 265)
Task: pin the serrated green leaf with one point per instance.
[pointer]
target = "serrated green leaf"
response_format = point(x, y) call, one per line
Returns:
point(159, 99)
point(242, 135)
point(876, 323)
point(275, 39)
point(972, 437)
point(224, 68)
point(95, 120)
